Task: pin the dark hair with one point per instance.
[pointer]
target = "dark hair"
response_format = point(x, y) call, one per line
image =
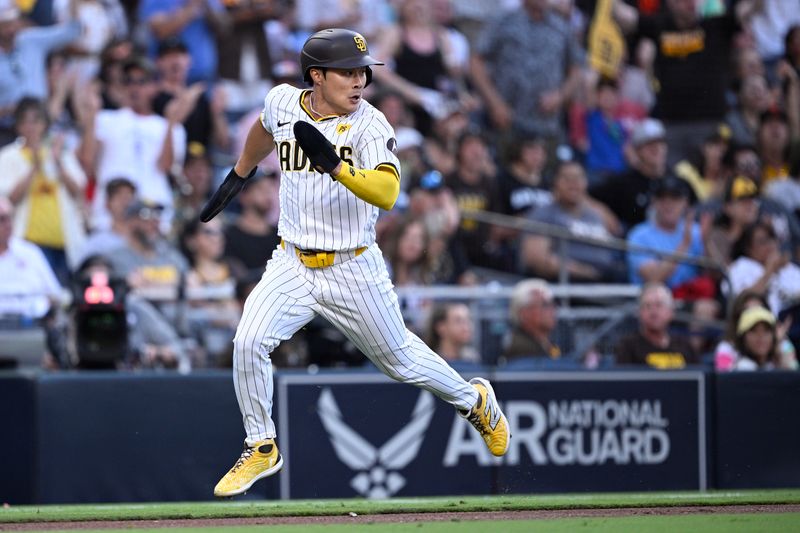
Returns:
point(607, 81)
point(425, 264)
point(27, 104)
point(115, 184)
point(438, 315)
point(737, 307)
point(787, 39)
point(734, 148)
point(513, 151)
point(93, 261)
point(563, 163)
point(745, 240)
point(773, 354)
point(189, 230)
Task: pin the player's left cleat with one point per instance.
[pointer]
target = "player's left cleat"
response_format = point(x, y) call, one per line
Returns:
point(256, 462)
point(488, 419)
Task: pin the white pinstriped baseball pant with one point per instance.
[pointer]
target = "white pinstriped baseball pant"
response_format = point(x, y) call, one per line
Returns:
point(357, 297)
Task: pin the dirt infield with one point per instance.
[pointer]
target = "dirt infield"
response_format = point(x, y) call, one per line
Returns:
point(407, 517)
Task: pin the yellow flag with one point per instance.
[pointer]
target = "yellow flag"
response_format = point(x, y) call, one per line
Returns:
point(606, 44)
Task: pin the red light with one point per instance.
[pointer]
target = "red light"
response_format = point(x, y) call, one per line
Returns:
point(99, 292)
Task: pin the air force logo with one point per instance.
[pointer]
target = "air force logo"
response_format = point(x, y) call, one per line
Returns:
point(377, 467)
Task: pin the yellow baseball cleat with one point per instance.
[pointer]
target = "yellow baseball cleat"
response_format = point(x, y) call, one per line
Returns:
point(488, 419)
point(258, 461)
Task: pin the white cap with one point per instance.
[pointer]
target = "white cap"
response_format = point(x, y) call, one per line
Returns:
point(648, 130)
point(408, 138)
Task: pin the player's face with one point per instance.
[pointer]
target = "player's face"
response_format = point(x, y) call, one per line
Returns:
point(340, 90)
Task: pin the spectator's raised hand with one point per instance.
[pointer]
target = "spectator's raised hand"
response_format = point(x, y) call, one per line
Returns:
point(180, 107)
point(550, 102)
point(501, 115)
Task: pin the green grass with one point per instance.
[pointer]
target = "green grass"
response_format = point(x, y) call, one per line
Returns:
point(229, 509)
point(720, 523)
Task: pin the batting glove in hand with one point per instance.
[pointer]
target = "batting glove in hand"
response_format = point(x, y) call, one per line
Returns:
point(227, 191)
point(317, 148)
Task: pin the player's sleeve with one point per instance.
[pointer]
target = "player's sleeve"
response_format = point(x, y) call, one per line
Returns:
point(266, 116)
point(376, 149)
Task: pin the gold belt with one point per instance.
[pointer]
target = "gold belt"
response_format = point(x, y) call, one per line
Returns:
point(322, 258)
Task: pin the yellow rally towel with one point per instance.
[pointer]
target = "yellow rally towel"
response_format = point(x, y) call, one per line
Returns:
point(606, 45)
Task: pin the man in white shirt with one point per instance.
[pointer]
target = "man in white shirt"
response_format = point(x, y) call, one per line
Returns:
point(134, 141)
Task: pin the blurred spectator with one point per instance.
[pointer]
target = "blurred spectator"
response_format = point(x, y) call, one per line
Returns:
point(778, 145)
point(450, 333)
point(671, 230)
point(440, 148)
point(29, 291)
point(418, 47)
point(407, 257)
point(245, 62)
point(433, 203)
point(691, 66)
point(739, 210)
point(704, 170)
point(772, 20)
point(474, 187)
point(521, 181)
point(151, 341)
point(205, 120)
point(757, 343)
point(526, 68)
point(194, 22)
point(28, 286)
point(195, 183)
point(541, 255)
point(153, 267)
point(210, 289)
point(119, 194)
point(726, 356)
point(628, 194)
point(23, 53)
point(368, 17)
point(61, 86)
point(520, 186)
point(754, 99)
point(532, 314)
point(134, 142)
point(743, 160)
point(759, 265)
point(605, 135)
point(113, 89)
point(653, 344)
point(45, 182)
point(102, 21)
point(250, 239)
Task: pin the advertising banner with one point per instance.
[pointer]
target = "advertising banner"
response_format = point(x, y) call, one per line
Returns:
point(364, 435)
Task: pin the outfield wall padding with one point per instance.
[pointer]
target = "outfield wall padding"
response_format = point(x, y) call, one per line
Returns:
point(128, 437)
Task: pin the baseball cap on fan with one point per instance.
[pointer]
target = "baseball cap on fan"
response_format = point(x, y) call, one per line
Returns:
point(647, 131)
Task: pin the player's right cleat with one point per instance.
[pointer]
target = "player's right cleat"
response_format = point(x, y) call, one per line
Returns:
point(258, 461)
point(488, 419)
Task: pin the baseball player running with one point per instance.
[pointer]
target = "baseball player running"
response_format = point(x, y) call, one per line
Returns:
point(338, 168)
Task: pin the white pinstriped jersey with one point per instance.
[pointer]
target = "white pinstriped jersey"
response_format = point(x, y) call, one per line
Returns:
point(317, 213)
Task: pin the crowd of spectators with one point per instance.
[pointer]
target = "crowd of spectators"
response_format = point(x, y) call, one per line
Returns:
point(118, 118)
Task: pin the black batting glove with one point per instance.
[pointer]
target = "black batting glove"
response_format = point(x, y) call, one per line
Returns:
point(317, 148)
point(227, 191)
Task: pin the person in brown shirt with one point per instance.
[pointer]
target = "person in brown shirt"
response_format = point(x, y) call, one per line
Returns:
point(653, 345)
point(533, 319)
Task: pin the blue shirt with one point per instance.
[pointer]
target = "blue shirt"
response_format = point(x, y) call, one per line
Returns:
point(606, 139)
point(197, 36)
point(649, 235)
point(22, 69)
